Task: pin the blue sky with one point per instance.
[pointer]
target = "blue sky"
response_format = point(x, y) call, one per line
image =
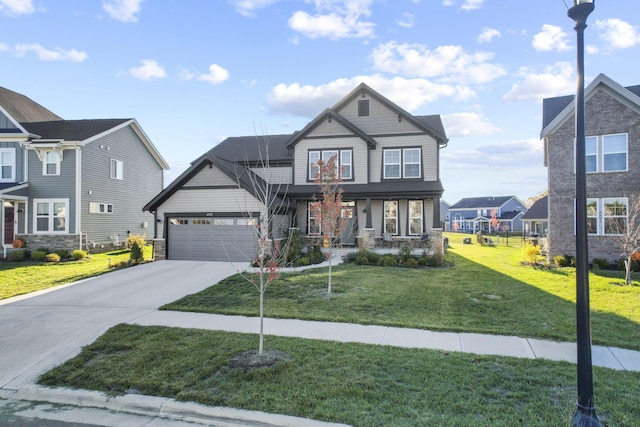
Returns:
point(193, 72)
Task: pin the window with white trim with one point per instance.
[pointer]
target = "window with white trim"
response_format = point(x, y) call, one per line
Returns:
point(607, 216)
point(116, 169)
point(51, 215)
point(607, 153)
point(415, 217)
point(314, 222)
point(343, 162)
point(402, 163)
point(391, 217)
point(51, 163)
point(95, 207)
point(7, 164)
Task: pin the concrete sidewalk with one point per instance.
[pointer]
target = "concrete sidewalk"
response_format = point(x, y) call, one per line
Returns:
point(529, 348)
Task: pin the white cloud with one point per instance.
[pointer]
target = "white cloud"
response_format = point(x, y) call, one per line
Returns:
point(16, 7)
point(617, 33)
point(446, 63)
point(216, 75)
point(149, 69)
point(465, 124)
point(123, 10)
point(334, 19)
point(44, 54)
point(551, 37)
point(554, 80)
point(488, 34)
point(407, 21)
point(249, 7)
point(309, 101)
point(466, 4)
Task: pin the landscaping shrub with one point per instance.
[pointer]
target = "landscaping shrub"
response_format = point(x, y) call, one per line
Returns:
point(78, 254)
point(562, 260)
point(136, 238)
point(404, 253)
point(53, 257)
point(303, 260)
point(388, 260)
point(63, 253)
point(411, 263)
point(374, 258)
point(531, 253)
point(15, 256)
point(38, 255)
point(361, 258)
point(315, 255)
point(294, 250)
point(137, 255)
point(600, 263)
point(45, 250)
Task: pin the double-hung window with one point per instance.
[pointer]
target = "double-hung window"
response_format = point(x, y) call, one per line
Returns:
point(343, 162)
point(313, 218)
point(116, 169)
point(606, 153)
point(51, 215)
point(402, 163)
point(415, 217)
point(51, 164)
point(607, 216)
point(391, 217)
point(7, 164)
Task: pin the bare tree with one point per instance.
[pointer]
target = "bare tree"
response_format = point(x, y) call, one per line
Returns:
point(628, 235)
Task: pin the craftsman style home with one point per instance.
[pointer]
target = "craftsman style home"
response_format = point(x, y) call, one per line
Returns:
point(613, 165)
point(71, 184)
point(388, 161)
point(475, 214)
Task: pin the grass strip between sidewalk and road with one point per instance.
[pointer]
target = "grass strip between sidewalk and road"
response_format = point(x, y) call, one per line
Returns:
point(357, 384)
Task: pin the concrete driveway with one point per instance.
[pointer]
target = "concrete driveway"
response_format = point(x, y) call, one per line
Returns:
point(40, 332)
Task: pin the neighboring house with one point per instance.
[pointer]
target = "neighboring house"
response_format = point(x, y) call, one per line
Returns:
point(474, 214)
point(444, 215)
point(536, 219)
point(612, 164)
point(388, 159)
point(69, 184)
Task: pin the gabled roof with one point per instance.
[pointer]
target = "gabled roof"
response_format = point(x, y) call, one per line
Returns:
point(539, 210)
point(481, 202)
point(72, 130)
point(24, 109)
point(556, 110)
point(330, 114)
point(432, 125)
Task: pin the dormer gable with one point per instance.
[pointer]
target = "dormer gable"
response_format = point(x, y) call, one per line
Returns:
point(329, 123)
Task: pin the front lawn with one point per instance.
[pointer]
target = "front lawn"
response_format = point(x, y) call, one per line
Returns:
point(487, 291)
point(22, 277)
point(357, 384)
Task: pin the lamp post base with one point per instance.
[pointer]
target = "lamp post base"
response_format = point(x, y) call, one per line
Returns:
point(585, 417)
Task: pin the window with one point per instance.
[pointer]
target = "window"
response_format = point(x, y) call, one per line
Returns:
point(415, 217)
point(402, 163)
point(343, 160)
point(223, 221)
point(391, 217)
point(95, 207)
point(198, 221)
point(606, 153)
point(7, 164)
point(178, 221)
point(51, 165)
point(363, 107)
point(116, 170)
point(51, 216)
point(313, 218)
point(607, 216)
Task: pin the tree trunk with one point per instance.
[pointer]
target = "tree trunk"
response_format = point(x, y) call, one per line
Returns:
point(330, 258)
point(261, 344)
point(627, 270)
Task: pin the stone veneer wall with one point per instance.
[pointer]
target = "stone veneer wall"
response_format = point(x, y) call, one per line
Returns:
point(70, 242)
point(604, 115)
point(159, 249)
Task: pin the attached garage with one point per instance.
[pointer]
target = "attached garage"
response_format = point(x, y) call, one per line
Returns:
point(212, 238)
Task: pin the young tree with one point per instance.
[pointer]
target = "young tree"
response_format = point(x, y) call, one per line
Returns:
point(628, 235)
point(494, 222)
point(328, 210)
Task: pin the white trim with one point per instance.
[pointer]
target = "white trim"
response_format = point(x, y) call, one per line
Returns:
point(78, 224)
point(50, 216)
point(11, 151)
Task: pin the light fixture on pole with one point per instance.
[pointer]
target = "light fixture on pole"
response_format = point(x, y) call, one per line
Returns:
point(585, 415)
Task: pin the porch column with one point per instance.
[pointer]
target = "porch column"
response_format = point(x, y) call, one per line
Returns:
point(368, 221)
point(436, 213)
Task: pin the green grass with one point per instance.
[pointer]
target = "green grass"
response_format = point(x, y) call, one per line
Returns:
point(357, 384)
point(487, 291)
point(19, 278)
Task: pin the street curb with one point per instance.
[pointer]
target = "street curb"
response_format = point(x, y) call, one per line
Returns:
point(161, 407)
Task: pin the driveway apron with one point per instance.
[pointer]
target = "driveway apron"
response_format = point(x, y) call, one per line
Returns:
point(42, 331)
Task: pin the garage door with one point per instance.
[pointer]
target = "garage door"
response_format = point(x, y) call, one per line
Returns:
point(212, 239)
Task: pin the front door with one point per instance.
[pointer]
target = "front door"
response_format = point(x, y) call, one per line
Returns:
point(347, 221)
point(9, 218)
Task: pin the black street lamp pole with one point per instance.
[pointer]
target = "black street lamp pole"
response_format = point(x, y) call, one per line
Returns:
point(585, 415)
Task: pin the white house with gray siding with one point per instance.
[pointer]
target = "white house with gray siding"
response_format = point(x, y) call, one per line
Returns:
point(70, 184)
point(389, 165)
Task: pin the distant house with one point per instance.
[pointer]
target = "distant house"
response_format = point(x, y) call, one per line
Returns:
point(613, 165)
point(536, 219)
point(69, 184)
point(474, 214)
point(388, 160)
point(444, 214)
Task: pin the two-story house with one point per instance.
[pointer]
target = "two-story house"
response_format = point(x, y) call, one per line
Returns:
point(70, 184)
point(612, 164)
point(389, 163)
point(474, 214)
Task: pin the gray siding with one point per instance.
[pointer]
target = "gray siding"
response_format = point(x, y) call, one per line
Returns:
point(380, 121)
point(142, 181)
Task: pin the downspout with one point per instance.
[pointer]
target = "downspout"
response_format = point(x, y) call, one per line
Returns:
point(79, 195)
point(2, 220)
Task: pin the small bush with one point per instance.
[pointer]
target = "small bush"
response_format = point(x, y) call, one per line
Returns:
point(531, 253)
point(136, 238)
point(63, 253)
point(315, 255)
point(38, 255)
point(53, 257)
point(600, 264)
point(562, 260)
point(361, 259)
point(303, 260)
point(45, 250)
point(78, 254)
point(411, 263)
point(405, 253)
point(137, 255)
point(388, 261)
point(374, 258)
point(16, 256)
